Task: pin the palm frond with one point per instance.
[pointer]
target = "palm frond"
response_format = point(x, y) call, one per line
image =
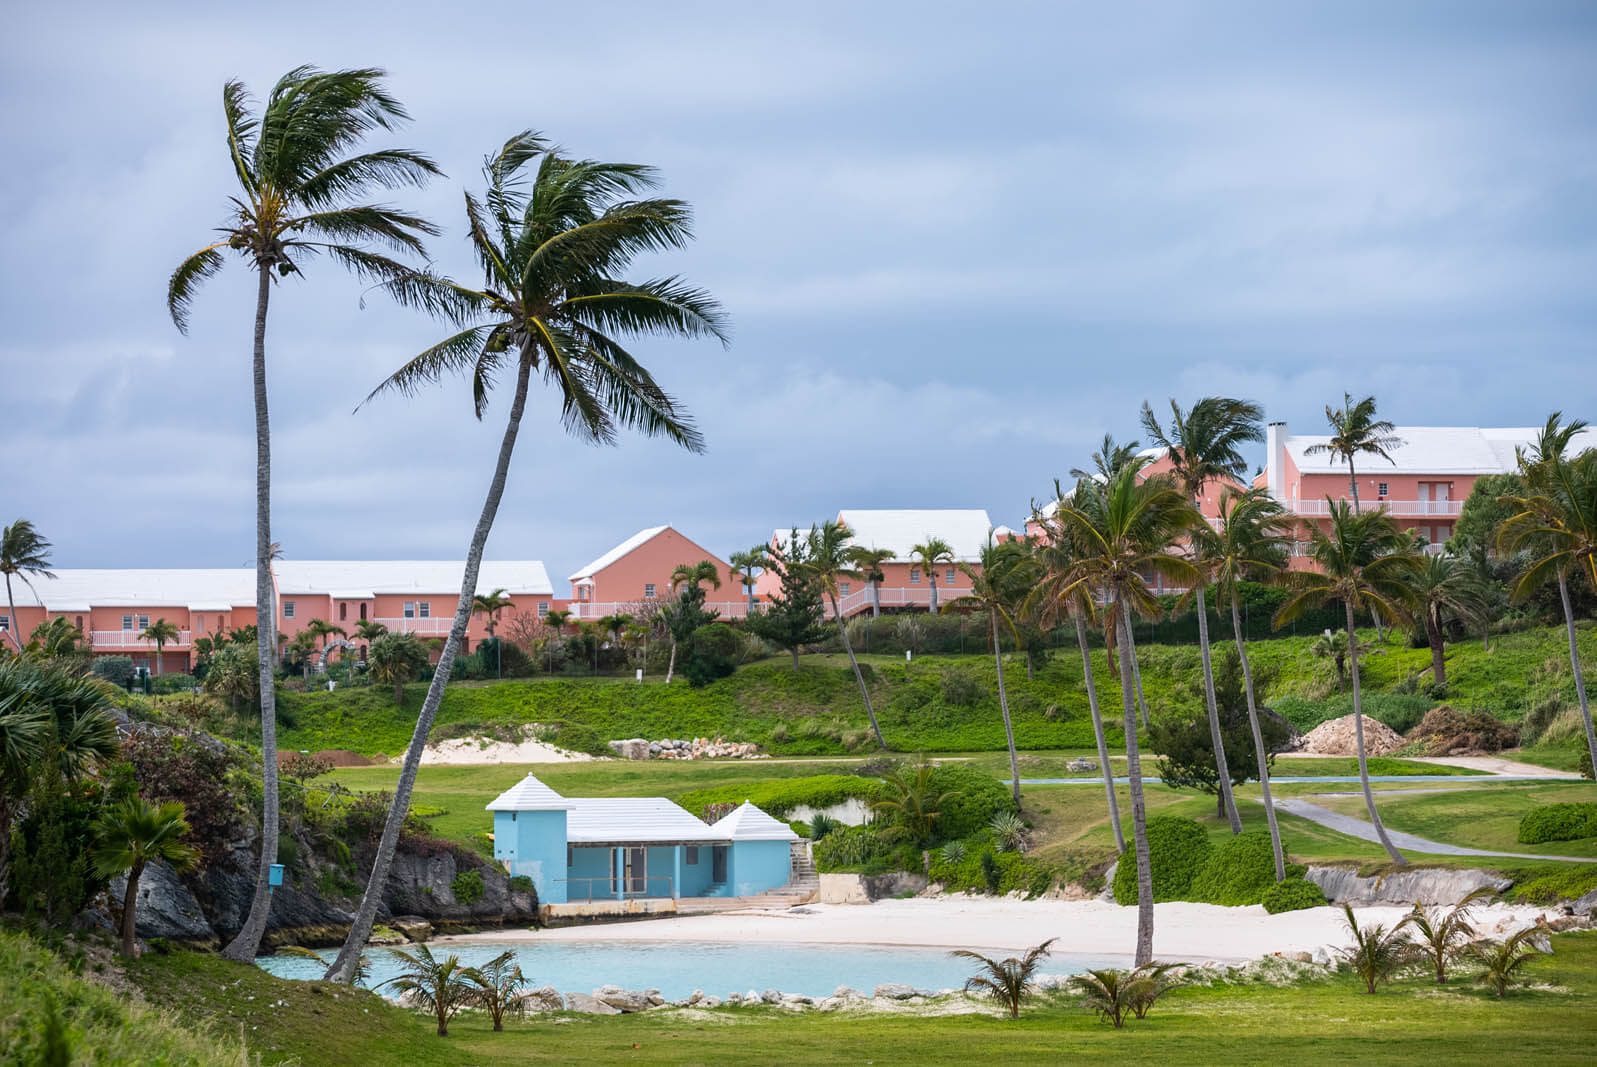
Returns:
point(368, 222)
point(452, 355)
point(186, 280)
point(657, 306)
point(389, 168)
point(241, 129)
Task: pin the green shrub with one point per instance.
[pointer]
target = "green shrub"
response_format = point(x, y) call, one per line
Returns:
point(118, 670)
point(1402, 712)
point(971, 866)
point(1177, 851)
point(991, 876)
point(1548, 885)
point(1293, 894)
point(822, 825)
point(978, 797)
point(520, 883)
point(1558, 822)
point(575, 737)
point(961, 690)
point(780, 796)
point(467, 887)
point(173, 683)
point(1238, 872)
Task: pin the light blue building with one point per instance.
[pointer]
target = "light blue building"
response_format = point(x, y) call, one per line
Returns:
point(631, 848)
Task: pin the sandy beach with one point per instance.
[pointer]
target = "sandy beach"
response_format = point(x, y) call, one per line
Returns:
point(472, 751)
point(1182, 931)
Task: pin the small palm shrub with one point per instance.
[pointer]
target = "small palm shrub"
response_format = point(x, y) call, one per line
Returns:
point(1377, 951)
point(1112, 994)
point(1007, 983)
point(1502, 960)
point(1293, 894)
point(1177, 850)
point(439, 986)
point(496, 988)
point(1440, 935)
point(1009, 832)
point(1156, 982)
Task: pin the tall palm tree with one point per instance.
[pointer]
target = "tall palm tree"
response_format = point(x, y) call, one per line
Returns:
point(1004, 569)
point(827, 559)
point(747, 563)
point(686, 575)
point(160, 632)
point(1205, 446)
point(554, 238)
point(930, 554)
point(1367, 564)
point(132, 835)
point(1249, 543)
point(26, 555)
point(1108, 461)
point(1557, 521)
point(491, 605)
point(299, 195)
point(1356, 431)
point(1124, 530)
point(868, 561)
point(555, 619)
point(1446, 589)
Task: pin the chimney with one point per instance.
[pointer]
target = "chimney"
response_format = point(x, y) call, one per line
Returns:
point(1275, 460)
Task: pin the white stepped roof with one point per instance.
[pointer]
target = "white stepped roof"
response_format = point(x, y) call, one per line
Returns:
point(749, 823)
point(529, 794)
point(618, 551)
point(1434, 450)
point(215, 589)
point(360, 579)
point(899, 530)
point(615, 820)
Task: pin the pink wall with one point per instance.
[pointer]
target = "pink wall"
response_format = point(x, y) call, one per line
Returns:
point(651, 563)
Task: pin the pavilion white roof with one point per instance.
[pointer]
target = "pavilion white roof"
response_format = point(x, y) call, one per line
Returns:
point(602, 820)
point(361, 579)
point(749, 823)
point(529, 794)
point(641, 537)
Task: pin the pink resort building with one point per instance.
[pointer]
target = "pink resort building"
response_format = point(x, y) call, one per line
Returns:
point(1158, 463)
point(637, 572)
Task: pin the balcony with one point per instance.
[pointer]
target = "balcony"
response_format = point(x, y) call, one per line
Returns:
point(1406, 509)
point(588, 610)
point(435, 626)
point(130, 639)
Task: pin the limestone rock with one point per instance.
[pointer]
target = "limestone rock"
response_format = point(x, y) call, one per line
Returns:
point(895, 991)
point(413, 927)
point(166, 907)
point(545, 998)
point(697, 995)
point(843, 992)
point(582, 1002)
point(627, 1000)
point(752, 997)
point(1343, 885)
point(710, 1002)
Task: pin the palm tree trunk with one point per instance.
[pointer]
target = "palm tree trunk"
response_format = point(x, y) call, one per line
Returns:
point(1574, 664)
point(130, 903)
point(1437, 641)
point(14, 625)
point(1258, 739)
point(933, 579)
point(842, 632)
point(1139, 811)
point(1353, 484)
point(876, 600)
point(6, 813)
point(343, 968)
point(1097, 733)
point(248, 940)
point(1358, 736)
point(1003, 705)
point(749, 588)
point(1136, 674)
point(670, 667)
point(1228, 803)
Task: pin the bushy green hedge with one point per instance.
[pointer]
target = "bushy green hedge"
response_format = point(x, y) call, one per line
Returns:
point(1177, 851)
point(1015, 871)
point(865, 849)
point(780, 796)
point(1293, 894)
point(1239, 871)
point(575, 737)
point(1558, 822)
point(978, 797)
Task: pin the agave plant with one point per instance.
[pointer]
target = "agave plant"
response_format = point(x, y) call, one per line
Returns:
point(822, 825)
point(1009, 831)
point(1502, 960)
point(1440, 937)
point(1006, 982)
point(1112, 994)
point(1377, 951)
point(496, 987)
point(954, 852)
point(439, 986)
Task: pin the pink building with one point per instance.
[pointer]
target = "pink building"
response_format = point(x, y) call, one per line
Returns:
point(637, 572)
point(1159, 463)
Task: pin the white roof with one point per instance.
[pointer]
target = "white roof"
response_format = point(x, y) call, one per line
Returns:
point(748, 823)
point(965, 530)
point(1434, 450)
point(599, 820)
point(360, 579)
point(201, 589)
point(529, 794)
point(618, 551)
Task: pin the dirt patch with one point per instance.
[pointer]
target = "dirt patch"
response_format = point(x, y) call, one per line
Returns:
point(338, 757)
point(1338, 738)
point(1446, 732)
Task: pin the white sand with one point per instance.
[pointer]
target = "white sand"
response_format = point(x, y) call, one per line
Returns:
point(475, 751)
point(1185, 932)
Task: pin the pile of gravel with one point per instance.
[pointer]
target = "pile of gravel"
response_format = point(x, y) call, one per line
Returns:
point(1336, 738)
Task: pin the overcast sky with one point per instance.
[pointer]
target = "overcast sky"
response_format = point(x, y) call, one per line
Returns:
point(957, 244)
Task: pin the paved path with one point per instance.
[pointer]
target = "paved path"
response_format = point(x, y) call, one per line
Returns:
point(1484, 764)
point(1364, 831)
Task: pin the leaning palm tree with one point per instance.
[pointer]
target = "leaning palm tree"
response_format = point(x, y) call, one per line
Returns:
point(440, 986)
point(1249, 542)
point(1441, 936)
point(132, 835)
point(747, 563)
point(868, 561)
point(299, 195)
point(1123, 531)
point(1007, 983)
point(159, 633)
point(1366, 563)
point(930, 554)
point(25, 555)
point(1205, 446)
point(827, 560)
point(1003, 569)
point(1447, 589)
point(1357, 432)
point(554, 238)
point(683, 576)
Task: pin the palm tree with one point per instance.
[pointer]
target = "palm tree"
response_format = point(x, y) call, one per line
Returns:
point(321, 630)
point(1446, 589)
point(299, 196)
point(1204, 446)
point(1503, 960)
point(1249, 542)
point(1367, 563)
point(491, 605)
point(496, 987)
point(440, 986)
point(687, 575)
point(913, 801)
point(827, 560)
point(1356, 431)
point(1007, 983)
point(1441, 936)
point(1557, 521)
point(554, 252)
point(868, 561)
point(1378, 950)
point(160, 632)
point(555, 619)
point(1108, 461)
point(396, 659)
point(757, 558)
point(132, 835)
point(931, 553)
point(369, 630)
point(1113, 994)
point(1122, 531)
point(1004, 569)
point(1332, 645)
point(26, 555)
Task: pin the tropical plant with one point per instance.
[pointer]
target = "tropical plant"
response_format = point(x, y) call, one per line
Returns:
point(490, 605)
point(1447, 589)
point(1008, 830)
point(868, 562)
point(681, 623)
point(496, 987)
point(298, 652)
point(1502, 960)
point(556, 619)
point(132, 835)
point(58, 639)
point(24, 554)
point(747, 563)
point(1204, 446)
point(438, 986)
point(1116, 994)
point(1155, 982)
point(955, 852)
point(1356, 432)
point(1122, 532)
point(827, 560)
point(159, 633)
point(299, 196)
point(1441, 935)
point(1007, 983)
point(792, 616)
point(822, 825)
point(369, 630)
point(1110, 459)
point(930, 554)
point(554, 249)
point(1378, 950)
point(395, 659)
point(912, 803)
point(232, 674)
point(1332, 645)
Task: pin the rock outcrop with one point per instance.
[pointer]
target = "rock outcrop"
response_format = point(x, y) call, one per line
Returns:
point(1344, 885)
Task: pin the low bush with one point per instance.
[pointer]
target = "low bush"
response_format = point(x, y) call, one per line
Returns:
point(977, 797)
point(863, 849)
point(1293, 894)
point(575, 737)
point(972, 866)
point(1239, 871)
point(780, 796)
point(1177, 851)
point(467, 887)
point(173, 683)
point(1402, 712)
point(1548, 885)
point(961, 690)
point(1558, 822)
point(118, 670)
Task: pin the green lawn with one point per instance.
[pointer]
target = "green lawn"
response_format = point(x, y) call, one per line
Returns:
point(1486, 817)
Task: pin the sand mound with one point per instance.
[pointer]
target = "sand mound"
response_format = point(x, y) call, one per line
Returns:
point(1445, 732)
point(481, 750)
point(1337, 738)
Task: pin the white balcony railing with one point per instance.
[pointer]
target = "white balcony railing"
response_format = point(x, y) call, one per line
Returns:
point(859, 600)
point(130, 639)
point(1402, 508)
point(588, 610)
point(435, 626)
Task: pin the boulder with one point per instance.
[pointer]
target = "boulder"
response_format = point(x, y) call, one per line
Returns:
point(1586, 904)
point(545, 998)
point(771, 996)
point(631, 748)
point(698, 995)
point(165, 907)
point(627, 1000)
point(752, 997)
point(1081, 765)
point(1344, 885)
point(413, 927)
point(843, 992)
point(586, 1005)
point(894, 991)
point(710, 1002)
point(797, 1000)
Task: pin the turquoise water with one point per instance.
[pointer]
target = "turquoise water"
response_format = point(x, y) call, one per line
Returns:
point(677, 968)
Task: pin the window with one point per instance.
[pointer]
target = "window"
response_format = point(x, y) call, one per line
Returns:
point(1380, 490)
point(648, 591)
point(5, 623)
point(543, 608)
point(127, 622)
point(199, 624)
point(692, 858)
point(343, 612)
point(410, 609)
point(948, 578)
point(569, 856)
point(80, 622)
point(363, 611)
point(914, 576)
point(842, 589)
point(424, 609)
point(288, 609)
point(144, 622)
point(218, 623)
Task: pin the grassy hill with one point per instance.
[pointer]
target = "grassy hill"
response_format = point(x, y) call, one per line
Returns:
point(942, 703)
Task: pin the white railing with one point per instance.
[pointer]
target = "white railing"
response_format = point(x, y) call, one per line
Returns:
point(435, 626)
point(588, 610)
point(131, 639)
point(859, 600)
point(1406, 508)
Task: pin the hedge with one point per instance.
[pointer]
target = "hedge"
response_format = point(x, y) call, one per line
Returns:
point(1293, 894)
point(1558, 822)
point(1015, 872)
point(779, 797)
point(1177, 851)
point(1239, 871)
point(978, 797)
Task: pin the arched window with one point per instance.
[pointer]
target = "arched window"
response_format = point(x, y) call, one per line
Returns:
point(363, 611)
point(343, 611)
